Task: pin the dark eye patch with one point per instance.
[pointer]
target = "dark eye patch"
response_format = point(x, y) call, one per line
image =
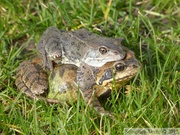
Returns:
point(108, 74)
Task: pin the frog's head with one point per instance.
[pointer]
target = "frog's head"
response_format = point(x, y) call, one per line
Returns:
point(100, 55)
point(117, 72)
point(100, 49)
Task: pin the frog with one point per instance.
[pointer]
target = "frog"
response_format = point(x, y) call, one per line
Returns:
point(63, 85)
point(82, 48)
point(76, 47)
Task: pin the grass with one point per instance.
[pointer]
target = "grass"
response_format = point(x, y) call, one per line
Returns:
point(150, 28)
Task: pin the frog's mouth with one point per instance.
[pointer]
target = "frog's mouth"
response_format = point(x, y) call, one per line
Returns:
point(94, 58)
point(110, 77)
point(118, 80)
point(99, 62)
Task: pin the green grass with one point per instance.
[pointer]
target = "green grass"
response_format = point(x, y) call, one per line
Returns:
point(151, 29)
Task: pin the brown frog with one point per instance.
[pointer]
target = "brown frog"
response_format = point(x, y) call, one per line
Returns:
point(84, 49)
point(63, 84)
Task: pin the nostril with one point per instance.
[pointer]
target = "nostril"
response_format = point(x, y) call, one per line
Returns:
point(134, 66)
point(115, 52)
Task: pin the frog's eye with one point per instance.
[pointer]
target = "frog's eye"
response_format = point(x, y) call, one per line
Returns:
point(119, 67)
point(103, 50)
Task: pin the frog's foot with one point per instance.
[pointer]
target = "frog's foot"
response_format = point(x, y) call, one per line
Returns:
point(92, 101)
point(31, 79)
point(55, 55)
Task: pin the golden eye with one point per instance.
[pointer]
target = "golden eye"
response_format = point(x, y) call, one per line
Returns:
point(103, 50)
point(119, 67)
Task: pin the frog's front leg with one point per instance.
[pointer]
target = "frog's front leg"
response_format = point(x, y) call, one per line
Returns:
point(49, 46)
point(86, 80)
point(92, 101)
point(31, 79)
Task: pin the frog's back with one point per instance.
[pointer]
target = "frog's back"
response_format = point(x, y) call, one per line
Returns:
point(74, 49)
point(62, 83)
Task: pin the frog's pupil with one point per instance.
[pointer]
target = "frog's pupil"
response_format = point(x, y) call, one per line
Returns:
point(119, 67)
point(103, 50)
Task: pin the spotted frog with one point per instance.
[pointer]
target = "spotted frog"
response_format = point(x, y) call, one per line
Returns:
point(82, 48)
point(76, 47)
point(63, 85)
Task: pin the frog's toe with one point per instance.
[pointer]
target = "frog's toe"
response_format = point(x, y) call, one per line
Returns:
point(55, 56)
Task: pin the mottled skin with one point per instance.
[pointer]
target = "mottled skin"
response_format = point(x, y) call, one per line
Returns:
point(32, 80)
point(63, 83)
point(116, 72)
point(78, 47)
point(81, 48)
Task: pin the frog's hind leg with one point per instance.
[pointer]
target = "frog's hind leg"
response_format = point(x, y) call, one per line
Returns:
point(31, 79)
